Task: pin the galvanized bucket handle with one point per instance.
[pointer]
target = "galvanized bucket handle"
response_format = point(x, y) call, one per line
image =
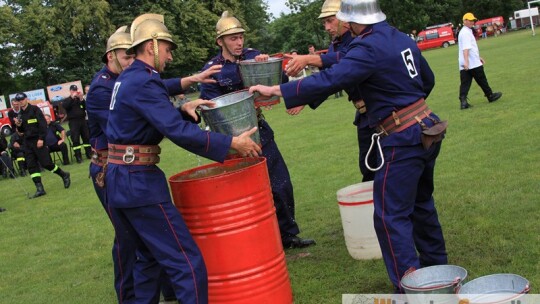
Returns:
point(507, 300)
point(456, 283)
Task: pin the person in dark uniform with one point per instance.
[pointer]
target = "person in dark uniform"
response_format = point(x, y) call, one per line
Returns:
point(55, 139)
point(394, 80)
point(75, 107)
point(136, 189)
point(16, 140)
point(6, 164)
point(230, 38)
point(34, 127)
point(16, 147)
point(337, 49)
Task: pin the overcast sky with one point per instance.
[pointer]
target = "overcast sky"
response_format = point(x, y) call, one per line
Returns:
point(277, 6)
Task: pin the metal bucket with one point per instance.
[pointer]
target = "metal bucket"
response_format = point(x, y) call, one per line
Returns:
point(266, 73)
point(441, 280)
point(495, 289)
point(233, 114)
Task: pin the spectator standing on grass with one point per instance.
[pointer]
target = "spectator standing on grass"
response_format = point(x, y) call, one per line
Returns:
point(471, 65)
point(140, 115)
point(6, 165)
point(230, 38)
point(16, 146)
point(75, 107)
point(31, 123)
point(394, 79)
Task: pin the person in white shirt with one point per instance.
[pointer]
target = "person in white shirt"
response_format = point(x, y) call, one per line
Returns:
point(471, 65)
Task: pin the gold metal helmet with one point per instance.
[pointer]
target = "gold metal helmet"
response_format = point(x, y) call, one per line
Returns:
point(121, 39)
point(329, 8)
point(228, 25)
point(146, 27)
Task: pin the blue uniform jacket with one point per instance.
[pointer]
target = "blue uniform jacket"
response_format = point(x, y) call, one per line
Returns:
point(141, 114)
point(229, 79)
point(388, 69)
point(98, 101)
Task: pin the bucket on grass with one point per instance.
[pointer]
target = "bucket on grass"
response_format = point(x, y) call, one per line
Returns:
point(356, 210)
point(230, 213)
point(233, 114)
point(441, 280)
point(267, 73)
point(495, 289)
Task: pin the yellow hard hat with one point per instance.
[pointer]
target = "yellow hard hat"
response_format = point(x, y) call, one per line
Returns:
point(146, 27)
point(228, 25)
point(469, 16)
point(121, 39)
point(329, 8)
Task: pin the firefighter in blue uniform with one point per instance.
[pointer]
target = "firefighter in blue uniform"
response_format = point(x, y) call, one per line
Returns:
point(97, 106)
point(31, 123)
point(337, 49)
point(230, 38)
point(393, 79)
point(136, 189)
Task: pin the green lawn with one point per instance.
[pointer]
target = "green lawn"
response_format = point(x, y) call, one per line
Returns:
point(57, 248)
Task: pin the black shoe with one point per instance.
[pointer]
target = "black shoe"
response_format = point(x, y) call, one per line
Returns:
point(296, 242)
point(79, 159)
point(494, 96)
point(67, 180)
point(2, 210)
point(464, 103)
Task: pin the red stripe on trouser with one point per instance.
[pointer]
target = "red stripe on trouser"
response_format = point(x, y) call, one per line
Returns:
point(120, 290)
point(181, 249)
point(384, 223)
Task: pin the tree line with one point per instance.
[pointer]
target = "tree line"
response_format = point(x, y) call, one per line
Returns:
point(45, 42)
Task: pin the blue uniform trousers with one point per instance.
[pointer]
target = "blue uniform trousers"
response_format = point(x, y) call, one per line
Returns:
point(405, 217)
point(124, 260)
point(280, 181)
point(170, 247)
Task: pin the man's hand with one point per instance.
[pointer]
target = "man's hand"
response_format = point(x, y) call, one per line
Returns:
point(205, 76)
point(18, 122)
point(266, 90)
point(262, 57)
point(16, 145)
point(61, 141)
point(295, 111)
point(296, 64)
point(245, 145)
point(191, 107)
point(40, 143)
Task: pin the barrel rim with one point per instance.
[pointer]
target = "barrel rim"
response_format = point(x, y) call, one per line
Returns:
point(175, 177)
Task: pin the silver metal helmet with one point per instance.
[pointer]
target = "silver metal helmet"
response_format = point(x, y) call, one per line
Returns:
point(360, 11)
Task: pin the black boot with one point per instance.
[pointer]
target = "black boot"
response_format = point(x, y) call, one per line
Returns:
point(66, 179)
point(464, 103)
point(78, 156)
point(494, 96)
point(39, 190)
point(296, 242)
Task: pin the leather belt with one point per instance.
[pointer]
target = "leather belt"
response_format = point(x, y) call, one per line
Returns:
point(405, 117)
point(360, 105)
point(136, 155)
point(99, 157)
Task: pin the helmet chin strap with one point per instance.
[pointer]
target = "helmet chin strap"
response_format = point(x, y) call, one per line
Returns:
point(116, 62)
point(156, 54)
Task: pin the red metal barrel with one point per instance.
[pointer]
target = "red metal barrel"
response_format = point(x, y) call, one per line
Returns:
point(229, 210)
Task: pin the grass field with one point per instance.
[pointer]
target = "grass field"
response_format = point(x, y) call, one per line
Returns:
point(56, 249)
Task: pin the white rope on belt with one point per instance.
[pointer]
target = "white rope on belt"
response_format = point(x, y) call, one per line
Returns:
point(375, 137)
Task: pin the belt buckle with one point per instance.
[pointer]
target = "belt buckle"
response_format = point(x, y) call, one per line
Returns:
point(129, 156)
